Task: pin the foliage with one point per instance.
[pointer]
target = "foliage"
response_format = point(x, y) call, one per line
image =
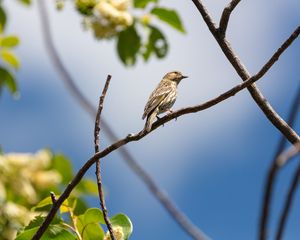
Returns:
point(10, 62)
point(25, 182)
point(135, 34)
point(85, 226)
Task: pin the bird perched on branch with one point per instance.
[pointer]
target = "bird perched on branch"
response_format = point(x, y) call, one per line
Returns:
point(162, 98)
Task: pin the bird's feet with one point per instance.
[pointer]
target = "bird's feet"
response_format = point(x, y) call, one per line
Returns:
point(169, 111)
point(158, 118)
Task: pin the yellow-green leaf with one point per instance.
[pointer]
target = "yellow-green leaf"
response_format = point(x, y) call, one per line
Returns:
point(48, 201)
point(124, 222)
point(169, 16)
point(7, 79)
point(142, 3)
point(10, 41)
point(10, 58)
point(2, 18)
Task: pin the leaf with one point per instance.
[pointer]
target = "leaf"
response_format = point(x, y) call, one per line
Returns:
point(51, 233)
point(170, 17)
point(38, 220)
point(80, 207)
point(10, 58)
point(142, 3)
point(48, 202)
point(92, 231)
point(6, 78)
point(123, 221)
point(88, 224)
point(26, 2)
point(93, 215)
point(129, 43)
point(63, 165)
point(157, 44)
point(43, 203)
point(2, 19)
point(54, 231)
point(87, 186)
point(10, 41)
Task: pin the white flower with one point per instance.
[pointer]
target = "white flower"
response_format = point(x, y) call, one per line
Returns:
point(114, 15)
point(118, 233)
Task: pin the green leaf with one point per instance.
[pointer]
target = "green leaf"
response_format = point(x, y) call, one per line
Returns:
point(54, 232)
point(10, 58)
point(48, 202)
point(10, 41)
point(63, 165)
point(85, 7)
point(26, 2)
point(123, 221)
point(38, 220)
point(88, 224)
point(2, 19)
point(81, 206)
point(7, 79)
point(87, 186)
point(93, 215)
point(142, 3)
point(92, 231)
point(43, 203)
point(129, 43)
point(169, 16)
point(156, 44)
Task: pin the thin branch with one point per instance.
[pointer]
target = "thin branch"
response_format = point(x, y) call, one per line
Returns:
point(98, 165)
point(159, 193)
point(272, 172)
point(226, 15)
point(53, 197)
point(141, 134)
point(241, 70)
point(98, 115)
point(288, 204)
point(287, 155)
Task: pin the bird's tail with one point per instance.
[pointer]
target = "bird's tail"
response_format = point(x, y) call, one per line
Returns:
point(150, 119)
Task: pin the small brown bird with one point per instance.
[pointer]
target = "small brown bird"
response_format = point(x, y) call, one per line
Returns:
point(162, 98)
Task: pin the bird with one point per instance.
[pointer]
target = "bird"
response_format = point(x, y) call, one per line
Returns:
point(162, 98)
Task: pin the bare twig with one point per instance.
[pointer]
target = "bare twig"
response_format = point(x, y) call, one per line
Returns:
point(141, 134)
point(98, 165)
point(226, 15)
point(272, 173)
point(53, 197)
point(241, 70)
point(159, 193)
point(288, 204)
point(287, 155)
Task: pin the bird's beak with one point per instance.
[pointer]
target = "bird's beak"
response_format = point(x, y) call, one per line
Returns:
point(184, 77)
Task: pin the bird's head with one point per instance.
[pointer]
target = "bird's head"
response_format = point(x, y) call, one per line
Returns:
point(175, 76)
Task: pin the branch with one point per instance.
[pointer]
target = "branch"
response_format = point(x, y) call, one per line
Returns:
point(226, 15)
point(141, 134)
point(159, 193)
point(272, 173)
point(98, 165)
point(241, 70)
point(288, 203)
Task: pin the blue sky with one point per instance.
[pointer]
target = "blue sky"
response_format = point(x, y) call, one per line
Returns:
point(212, 164)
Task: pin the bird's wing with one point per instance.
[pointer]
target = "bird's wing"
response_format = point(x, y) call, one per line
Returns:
point(159, 93)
